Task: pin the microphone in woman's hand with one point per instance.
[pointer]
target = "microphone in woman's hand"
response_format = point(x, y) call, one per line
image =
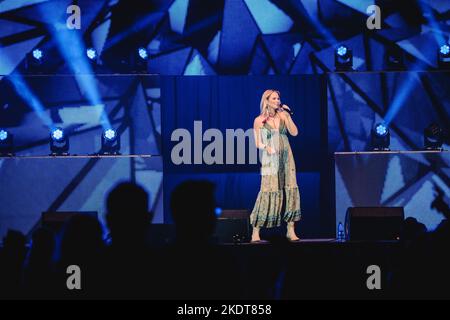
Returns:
point(284, 107)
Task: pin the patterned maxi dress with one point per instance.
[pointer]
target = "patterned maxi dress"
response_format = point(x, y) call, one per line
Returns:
point(278, 181)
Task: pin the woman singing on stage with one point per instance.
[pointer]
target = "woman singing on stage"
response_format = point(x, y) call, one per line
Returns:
point(279, 197)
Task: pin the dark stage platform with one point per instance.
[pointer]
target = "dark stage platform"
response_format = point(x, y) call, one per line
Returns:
point(316, 268)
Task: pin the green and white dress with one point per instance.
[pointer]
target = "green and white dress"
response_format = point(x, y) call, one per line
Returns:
point(278, 181)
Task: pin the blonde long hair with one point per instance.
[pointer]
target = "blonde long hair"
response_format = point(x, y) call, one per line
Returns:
point(264, 105)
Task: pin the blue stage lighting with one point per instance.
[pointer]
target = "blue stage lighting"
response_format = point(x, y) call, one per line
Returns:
point(57, 134)
point(381, 129)
point(6, 143)
point(110, 142)
point(139, 60)
point(343, 58)
point(91, 53)
point(34, 62)
point(37, 54)
point(110, 134)
point(342, 51)
point(59, 142)
point(218, 211)
point(3, 135)
point(445, 49)
point(143, 53)
point(381, 137)
point(444, 57)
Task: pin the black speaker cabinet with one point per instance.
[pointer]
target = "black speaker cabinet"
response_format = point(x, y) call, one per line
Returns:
point(233, 226)
point(373, 223)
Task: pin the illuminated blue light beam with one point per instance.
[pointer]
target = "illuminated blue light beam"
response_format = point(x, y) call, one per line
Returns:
point(403, 92)
point(405, 89)
point(76, 58)
point(135, 28)
point(73, 50)
point(26, 94)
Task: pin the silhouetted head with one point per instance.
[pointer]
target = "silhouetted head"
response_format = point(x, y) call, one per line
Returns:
point(128, 216)
point(14, 239)
point(412, 229)
point(82, 238)
point(193, 204)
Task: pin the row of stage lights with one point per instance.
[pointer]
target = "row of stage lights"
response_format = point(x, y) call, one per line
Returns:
point(59, 143)
point(433, 137)
point(343, 58)
point(110, 140)
point(394, 60)
point(35, 60)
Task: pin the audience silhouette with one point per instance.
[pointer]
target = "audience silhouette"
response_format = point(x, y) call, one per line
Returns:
point(125, 263)
point(196, 267)
point(12, 257)
point(39, 267)
point(132, 265)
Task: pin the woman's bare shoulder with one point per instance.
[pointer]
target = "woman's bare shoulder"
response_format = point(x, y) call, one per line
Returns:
point(259, 120)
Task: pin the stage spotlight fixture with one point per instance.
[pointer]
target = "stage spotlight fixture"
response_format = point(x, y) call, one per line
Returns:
point(6, 143)
point(433, 137)
point(342, 51)
point(110, 142)
point(444, 57)
point(343, 58)
point(59, 142)
point(37, 54)
point(92, 56)
point(91, 53)
point(381, 137)
point(34, 61)
point(3, 135)
point(394, 59)
point(139, 60)
point(143, 53)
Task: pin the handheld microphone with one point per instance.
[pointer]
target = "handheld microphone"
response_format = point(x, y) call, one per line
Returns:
point(283, 107)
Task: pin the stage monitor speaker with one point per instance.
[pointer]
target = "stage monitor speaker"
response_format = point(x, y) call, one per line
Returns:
point(233, 226)
point(55, 220)
point(373, 223)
